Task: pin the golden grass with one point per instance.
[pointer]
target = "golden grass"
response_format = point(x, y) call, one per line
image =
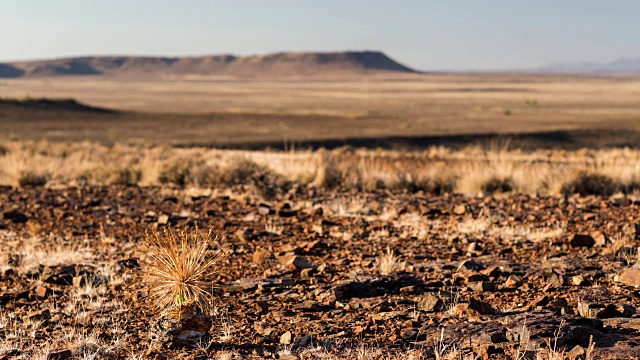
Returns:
point(469, 171)
point(388, 263)
point(180, 270)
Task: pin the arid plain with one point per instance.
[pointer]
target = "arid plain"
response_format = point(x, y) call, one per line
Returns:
point(404, 216)
point(401, 110)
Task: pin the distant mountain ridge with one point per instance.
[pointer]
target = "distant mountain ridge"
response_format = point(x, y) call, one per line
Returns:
point(619, 66)
point(277, 64)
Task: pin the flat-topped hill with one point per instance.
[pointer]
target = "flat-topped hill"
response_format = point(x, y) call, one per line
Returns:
point(277, 64)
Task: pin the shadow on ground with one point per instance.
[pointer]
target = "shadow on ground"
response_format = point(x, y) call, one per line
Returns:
point(561, 139)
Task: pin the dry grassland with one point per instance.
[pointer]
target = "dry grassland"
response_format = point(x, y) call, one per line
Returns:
point(409, 110)
point(438, 170)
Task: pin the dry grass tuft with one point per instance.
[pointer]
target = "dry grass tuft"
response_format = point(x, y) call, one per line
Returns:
point(180, 269)
point(498, 185)
point(586, 183)
point(388, 263)
point(31, 178)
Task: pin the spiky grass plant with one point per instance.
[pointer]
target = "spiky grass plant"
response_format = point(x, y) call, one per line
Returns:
point(388, 263)
point(180, 270)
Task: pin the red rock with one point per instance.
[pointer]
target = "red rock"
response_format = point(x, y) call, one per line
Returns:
point(579, 240)
point(42, 292)
point(296, 262)
point(629, 277)
point(285, 338)
point(65, 354)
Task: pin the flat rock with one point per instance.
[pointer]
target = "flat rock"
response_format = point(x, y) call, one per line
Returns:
point(581, 240)
point(59, 275)
point(296, 262)
point(430, 303)
point(42, 292)
point(629, 277)
point(65, 354)
point(16, 217)
point(285, 339)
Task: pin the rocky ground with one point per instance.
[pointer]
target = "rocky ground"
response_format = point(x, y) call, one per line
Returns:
point(320, 274)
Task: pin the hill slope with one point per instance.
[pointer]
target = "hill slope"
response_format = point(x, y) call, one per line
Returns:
point(278, 64)
point(619, 66)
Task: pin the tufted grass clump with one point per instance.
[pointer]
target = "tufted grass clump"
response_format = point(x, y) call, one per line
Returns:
point(180, 269)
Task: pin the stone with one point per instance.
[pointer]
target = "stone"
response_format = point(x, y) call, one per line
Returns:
point(580, 240)
point(65, 354)
point(296, 262)
point(16, 217)
point(59, 275)
point(79, 281)
point(244, 235)
point(130, 263)
point(302, 341)
point(308, 306)
point(8, 273)
point(575, 352)
point(286, 211)
point(408, 334)
point(481, 286)
point(264, 209)
point(39, 316)
point(513, 281)
point(472, 265)
point(629, 277)
point(262, 307)
point(430, 303)
point(42, 292)
point(480, 307)
point(577, 280)
point(185, 327)
point(623, 323)
point(601, 311)
point(555, 280)
point(357, 289)
point(285, 339)
point(305, 274)
point(5, 297)
point(163, 219)
point(317, 228)
point(599, 237)
point(460, 209)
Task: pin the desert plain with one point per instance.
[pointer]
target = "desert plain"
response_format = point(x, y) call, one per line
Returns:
point(409, 216)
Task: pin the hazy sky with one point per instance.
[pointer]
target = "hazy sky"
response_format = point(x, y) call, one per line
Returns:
point(427, 35)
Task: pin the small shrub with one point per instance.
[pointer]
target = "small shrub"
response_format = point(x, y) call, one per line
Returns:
point(498, 185)
point(441, 186)
point(244, 172)
point(3, 150)
point(328, 175)
point(411, 184)
point(586, 183)
point(630, 187)
point(127, 176)
point(436, 186)
point(183, 172)
point(268, 185)
point(177, 173)
point(31, 178)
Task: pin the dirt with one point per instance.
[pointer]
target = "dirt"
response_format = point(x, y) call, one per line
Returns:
point(491, 276)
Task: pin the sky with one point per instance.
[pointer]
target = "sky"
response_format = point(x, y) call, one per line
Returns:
point(426, 35)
